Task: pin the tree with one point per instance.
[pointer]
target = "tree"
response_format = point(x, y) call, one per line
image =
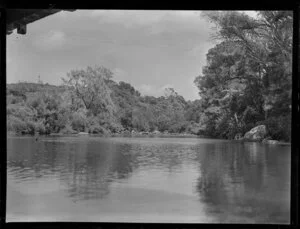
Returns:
point(248, 74)
point(268, 43)
point(90, 86)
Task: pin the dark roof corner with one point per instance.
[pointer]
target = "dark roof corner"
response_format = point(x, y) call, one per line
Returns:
point(18, 19)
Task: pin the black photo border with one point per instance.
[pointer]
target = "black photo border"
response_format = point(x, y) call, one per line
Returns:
point(213, 5)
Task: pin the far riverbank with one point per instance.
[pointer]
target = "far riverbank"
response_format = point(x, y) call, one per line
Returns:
point(143, 135)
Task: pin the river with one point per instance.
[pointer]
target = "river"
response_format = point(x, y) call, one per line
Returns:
point(164, 180)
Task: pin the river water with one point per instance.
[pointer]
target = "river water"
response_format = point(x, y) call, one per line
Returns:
point(165, 180)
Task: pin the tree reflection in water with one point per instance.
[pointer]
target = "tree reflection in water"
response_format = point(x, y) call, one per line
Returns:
point(86, 168)
point(235, 182)
point(239, 182)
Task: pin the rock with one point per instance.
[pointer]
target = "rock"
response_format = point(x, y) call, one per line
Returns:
point(267, 141)
point(256, 133)
point(238, 136)
point(83, 133)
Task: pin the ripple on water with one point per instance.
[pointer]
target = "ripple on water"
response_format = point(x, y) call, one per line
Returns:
point(201, 180)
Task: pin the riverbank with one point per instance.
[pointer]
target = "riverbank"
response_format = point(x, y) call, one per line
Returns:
point(141, 135)
point(123, 134)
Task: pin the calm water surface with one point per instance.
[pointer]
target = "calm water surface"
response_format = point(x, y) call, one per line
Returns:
point(175, 180)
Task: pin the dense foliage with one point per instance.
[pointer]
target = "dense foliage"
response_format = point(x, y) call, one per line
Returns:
point(91, 101)
point(248, 77)
point(246, 82)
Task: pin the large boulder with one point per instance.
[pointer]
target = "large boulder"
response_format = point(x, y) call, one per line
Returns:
point(257, 133)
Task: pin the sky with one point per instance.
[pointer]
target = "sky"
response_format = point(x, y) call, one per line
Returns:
point(151, 50)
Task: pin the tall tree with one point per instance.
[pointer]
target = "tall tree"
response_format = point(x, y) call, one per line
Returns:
point(90, 86)
point(248, 74)
point(267, 40)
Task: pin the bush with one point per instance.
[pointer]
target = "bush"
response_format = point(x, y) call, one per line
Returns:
point(15, 124)
point(30, 125)
point(97, 129)
point(115, 127)
point(193, 128)
point(22, 112)
point(68, 129)
point(178, 127)
point(11, 99)
point(19, 126)
point(279, 128)
point(78, 121)
point(40, 128)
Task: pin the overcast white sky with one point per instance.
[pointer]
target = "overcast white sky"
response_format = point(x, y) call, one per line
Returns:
point(149, 49)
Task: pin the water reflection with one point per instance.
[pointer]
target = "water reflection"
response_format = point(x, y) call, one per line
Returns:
point(237, 184)
point(86, 168)
point(227, 181)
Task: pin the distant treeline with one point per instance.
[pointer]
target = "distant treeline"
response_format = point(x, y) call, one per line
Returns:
point(109, 108)
point(246, 82)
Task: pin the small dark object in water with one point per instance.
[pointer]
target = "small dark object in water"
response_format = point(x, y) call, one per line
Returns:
point(37, 136)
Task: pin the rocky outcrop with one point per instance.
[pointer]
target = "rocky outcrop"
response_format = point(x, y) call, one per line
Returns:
point(257, 133)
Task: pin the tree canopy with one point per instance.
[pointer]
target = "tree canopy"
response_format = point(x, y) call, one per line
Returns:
point(247, 79)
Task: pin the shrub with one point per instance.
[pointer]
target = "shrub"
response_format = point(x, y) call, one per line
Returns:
point(115, 127)
point(40, 128)
point(68, 129)
point(63, 118)
point(97, 129)
point(30, 125)
point(279, 128)
point(193, 128)
point(11, 99)
point(15, 124)
point(178, 127)
point(19, 126)
point(78, 121)
point(22, 112)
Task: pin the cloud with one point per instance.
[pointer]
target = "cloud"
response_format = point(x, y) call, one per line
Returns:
point(128, 18)
point(151, 28)
point(152, 18)
point(177, 21)
point(53, 39)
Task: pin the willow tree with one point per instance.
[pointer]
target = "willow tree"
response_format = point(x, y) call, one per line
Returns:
point(90, 87)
